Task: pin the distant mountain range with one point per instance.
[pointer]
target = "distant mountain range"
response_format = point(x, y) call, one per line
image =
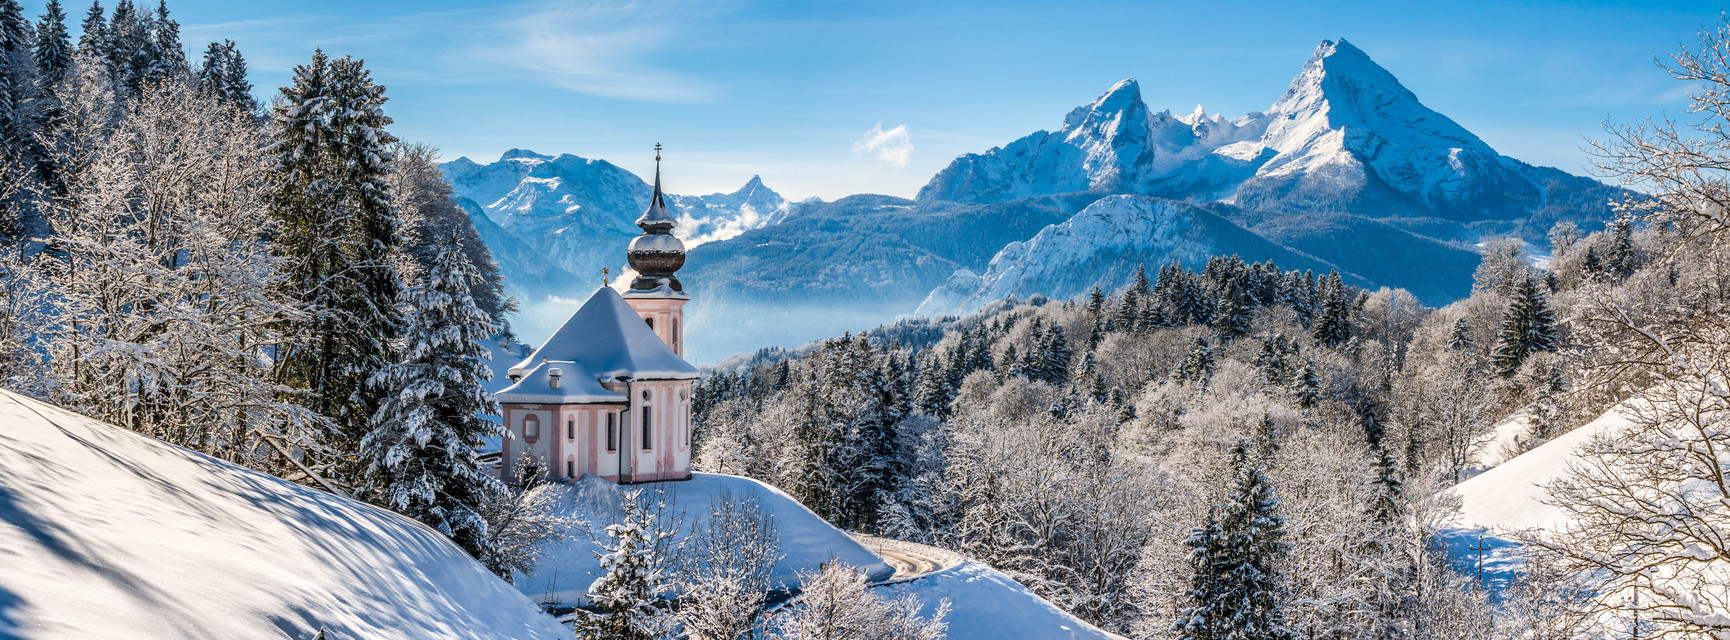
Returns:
point(1347, 170)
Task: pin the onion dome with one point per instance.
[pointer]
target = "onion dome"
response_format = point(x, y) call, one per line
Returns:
point(656, 254)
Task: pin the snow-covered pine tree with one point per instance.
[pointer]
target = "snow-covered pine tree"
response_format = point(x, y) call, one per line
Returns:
point(1622, 259)
point(1333, 325)
point(1198, 363)
point(338, 229)
point(1129, 313)
point(53, 45)
point(626, 597)
point(420, 454)
point(1528, 326)
point(167, 57)
point(875, 477)
point(1241, 595)
point(1307, 386)
point(223, 74)
point(1460, 336)
point(1232, 312)
point(1054, 357)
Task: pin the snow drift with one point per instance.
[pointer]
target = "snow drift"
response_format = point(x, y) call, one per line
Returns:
point(108, 533)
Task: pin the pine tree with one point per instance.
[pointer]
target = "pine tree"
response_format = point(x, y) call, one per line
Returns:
point(1528, 326)
point(1197, 365)
point(1385, 505)
point(1239, 590)
point(1333, 326)
point(338, 229)
point(92, 46)
point(1622, 260)
point(1232, 312)
point(1307, 386)
point(53, 45)
point(1460, 337)
point(625, 597)
point(1054, 358)
point(223, 74)
point(166, 58)
point(420, 455)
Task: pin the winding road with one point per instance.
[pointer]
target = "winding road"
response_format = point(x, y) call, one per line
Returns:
point(910, 560)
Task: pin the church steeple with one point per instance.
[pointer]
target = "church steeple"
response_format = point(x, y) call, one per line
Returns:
point(656, 255)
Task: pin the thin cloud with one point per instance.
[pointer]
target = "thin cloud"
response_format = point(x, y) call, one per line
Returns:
point(602, 50)
point(888, 146)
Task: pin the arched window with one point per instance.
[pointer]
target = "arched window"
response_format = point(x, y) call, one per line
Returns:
point(650, 321)
point(675, 331)
point(648, 432)
point(570, 468)
point(571, 428)
point(531, 426)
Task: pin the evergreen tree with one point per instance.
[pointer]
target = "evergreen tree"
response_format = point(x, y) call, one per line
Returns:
point(1333, 325)
point(1528, 326)
point(1622, 260)
point(1232, 312)
point(1197, 365)
point(53, 45)
point(1307, 386)
point(625, 597)
point(166, 57)
point(1460, 337)
point(1385, 505)
point(338, 230)
point(92, 39)
point(1129, 314)
point(1095, 301)
point(223, 74)
point(1239, 590)
point(1054, 358)
point(420, 455)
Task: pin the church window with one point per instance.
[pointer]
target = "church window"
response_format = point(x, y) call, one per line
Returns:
point(612, 431)
point(532, 427)
point(570, 468)
point(675, 331)
point(570, 427)
point(651, 323)
point(647, 443)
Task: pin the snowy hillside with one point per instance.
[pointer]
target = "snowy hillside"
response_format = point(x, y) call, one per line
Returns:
point(1105, 242)
point(105, 533)
point(806, 540)
point(987, 605)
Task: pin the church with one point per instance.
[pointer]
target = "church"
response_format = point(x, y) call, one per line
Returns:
point(609, 394)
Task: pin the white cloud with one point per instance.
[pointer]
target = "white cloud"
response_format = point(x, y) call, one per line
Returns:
point(891, 146)
point(603, 49)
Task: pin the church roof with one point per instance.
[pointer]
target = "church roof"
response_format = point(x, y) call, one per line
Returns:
point(610, 342)
point(576, 385)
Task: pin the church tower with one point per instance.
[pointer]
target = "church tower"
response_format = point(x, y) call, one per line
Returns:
point(656, 255)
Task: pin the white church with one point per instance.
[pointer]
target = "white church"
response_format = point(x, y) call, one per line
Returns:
point(609, 394)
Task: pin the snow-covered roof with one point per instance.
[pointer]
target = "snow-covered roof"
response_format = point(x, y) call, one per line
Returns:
point(576, 385)
point(662, 291)
point(610, 342)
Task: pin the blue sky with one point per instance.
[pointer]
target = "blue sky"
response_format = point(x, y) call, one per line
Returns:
point(833, 98)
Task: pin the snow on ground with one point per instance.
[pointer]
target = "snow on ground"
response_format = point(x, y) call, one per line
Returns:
point(105, 533)
point(987, 605)
point(806, 540)
point(1502, 502)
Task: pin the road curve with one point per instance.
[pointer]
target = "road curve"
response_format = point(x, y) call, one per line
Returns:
point(910, 560)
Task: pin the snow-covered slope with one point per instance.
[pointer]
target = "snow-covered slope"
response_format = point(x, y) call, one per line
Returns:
point(806, 540)
point(1105, 242)
point(987, 605)
point(1511, 498)
point(105, 533)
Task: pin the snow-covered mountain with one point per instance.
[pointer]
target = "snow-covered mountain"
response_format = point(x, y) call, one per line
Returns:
point(1345, 136)
point(580, 212)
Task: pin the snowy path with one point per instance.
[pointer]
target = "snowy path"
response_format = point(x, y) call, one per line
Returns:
point(910, 559)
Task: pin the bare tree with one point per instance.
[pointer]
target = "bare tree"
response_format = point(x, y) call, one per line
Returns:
point(837, 604)
point(722, 576)
point(524, 522)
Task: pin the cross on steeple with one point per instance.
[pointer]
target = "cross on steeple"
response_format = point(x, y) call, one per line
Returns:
point(657, 156)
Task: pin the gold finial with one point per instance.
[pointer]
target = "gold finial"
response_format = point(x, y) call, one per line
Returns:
point(604, 272)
